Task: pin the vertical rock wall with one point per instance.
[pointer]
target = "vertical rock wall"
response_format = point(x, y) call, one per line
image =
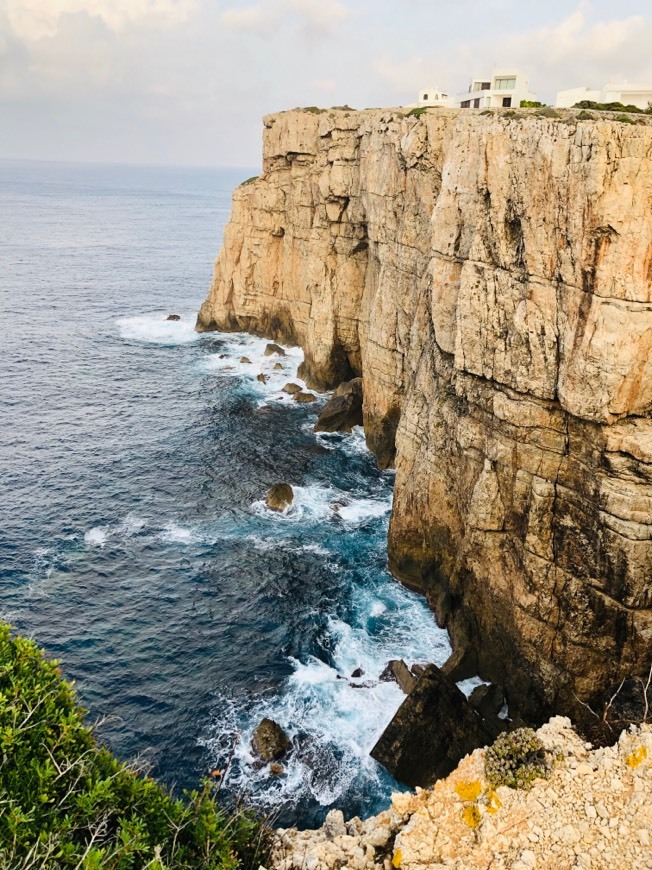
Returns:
point(490, 278)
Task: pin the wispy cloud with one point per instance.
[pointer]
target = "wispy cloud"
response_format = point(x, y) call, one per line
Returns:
point(316, 16)
point(32, 20)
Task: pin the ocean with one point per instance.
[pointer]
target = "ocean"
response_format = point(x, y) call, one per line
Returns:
point(135, 546)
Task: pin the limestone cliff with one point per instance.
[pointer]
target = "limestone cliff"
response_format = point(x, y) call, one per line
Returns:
point(490, 278)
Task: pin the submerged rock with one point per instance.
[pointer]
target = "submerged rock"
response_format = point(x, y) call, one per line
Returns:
point(173, 317)
point(269, 741)
point(304, 398)
point(433, 729)
point(279, 496)
point(396, 671)
point(274, 348)
point(344, 410)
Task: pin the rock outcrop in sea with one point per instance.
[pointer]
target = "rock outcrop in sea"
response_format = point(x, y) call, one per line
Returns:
point(489, 277)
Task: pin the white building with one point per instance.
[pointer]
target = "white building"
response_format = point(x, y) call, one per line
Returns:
point(630, 95)
point(503, 89)
point(432, 97)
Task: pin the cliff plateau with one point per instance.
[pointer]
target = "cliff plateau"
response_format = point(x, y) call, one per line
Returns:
point(489, 276)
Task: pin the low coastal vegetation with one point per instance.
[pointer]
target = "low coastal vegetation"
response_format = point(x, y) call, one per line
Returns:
point(66, 801)
point(613, 107)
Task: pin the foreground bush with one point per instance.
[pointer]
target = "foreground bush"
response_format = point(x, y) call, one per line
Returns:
point(67, 802)
point(516, 759)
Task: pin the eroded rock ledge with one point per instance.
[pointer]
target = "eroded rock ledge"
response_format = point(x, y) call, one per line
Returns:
point(490, 279)
point(593, 812)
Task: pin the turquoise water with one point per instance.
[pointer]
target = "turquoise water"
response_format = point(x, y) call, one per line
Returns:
point(135, 545)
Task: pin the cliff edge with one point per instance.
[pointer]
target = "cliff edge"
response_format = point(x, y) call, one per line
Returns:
point(489, 276)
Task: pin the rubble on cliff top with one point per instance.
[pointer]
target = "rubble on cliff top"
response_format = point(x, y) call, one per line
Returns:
point(595, 811)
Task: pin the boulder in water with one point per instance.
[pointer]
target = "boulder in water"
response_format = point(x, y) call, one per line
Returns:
point(304, 398)
point(262, 378)
point(397, 671)
point(280, 496)
point(278, 367)
point(291, 388)
point(344, 410)
point(245, 359)
point(274, 348)
point(269, 741)
point(357, 673)
point(433, 729)
point(173, 317)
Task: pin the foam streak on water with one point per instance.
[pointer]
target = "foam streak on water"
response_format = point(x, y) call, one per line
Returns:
point(134, 460)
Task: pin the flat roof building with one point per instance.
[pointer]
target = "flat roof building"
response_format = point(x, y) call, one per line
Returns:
point(629, 95)
point(505, 88)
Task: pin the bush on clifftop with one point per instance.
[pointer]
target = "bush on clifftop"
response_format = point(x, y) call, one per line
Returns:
point(66, 802)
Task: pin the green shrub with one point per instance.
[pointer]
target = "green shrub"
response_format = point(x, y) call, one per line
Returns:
point(547, 112)
point(625, 119)
point(67, 802)
point(314, 110)
point(531, 104)
point(516, 759)
point(250, 180)
point(585, 116)
point(609, 107)
point(418, 111)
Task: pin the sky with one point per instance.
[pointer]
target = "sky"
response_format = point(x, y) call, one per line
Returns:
point(186, 82)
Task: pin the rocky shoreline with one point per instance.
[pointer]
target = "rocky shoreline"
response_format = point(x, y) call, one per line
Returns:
point(593, 812)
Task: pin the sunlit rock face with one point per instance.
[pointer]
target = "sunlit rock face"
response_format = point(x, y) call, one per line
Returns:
point(490, 279)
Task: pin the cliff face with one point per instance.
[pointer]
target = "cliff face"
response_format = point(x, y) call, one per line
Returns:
point(490, 277)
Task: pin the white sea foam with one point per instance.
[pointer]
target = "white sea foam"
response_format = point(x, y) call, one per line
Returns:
point(96, 537)
point(131, 525)
point(333, 718)
point(239, 346)
point(173, 533)
point(155, 329)
point(318, 503)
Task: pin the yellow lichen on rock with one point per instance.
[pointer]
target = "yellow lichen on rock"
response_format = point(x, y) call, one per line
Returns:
point(469, 791)
point(493, 802)
point(471, 816)
point(636, 757)
point(398, 857)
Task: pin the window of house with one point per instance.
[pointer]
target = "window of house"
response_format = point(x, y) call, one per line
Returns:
point(466, 104)
point(486, 86)
point(505, 84)
point(425, 96)
point(507, 102)
point(476, 103)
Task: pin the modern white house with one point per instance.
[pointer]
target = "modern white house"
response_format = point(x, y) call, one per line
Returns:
point(432, 97)
point(503, 89)
point(630, 95)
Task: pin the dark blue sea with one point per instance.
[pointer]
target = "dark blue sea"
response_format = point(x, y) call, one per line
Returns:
point(134, 542)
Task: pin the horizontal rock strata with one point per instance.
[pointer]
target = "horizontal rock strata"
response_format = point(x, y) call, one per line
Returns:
point(490, 279)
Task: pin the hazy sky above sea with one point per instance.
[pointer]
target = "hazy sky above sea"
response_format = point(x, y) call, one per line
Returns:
point(187, 81)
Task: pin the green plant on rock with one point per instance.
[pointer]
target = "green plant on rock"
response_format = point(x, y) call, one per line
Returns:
point(249, 180)
point(66, 802)
point(418, 111)
point(516, 759)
